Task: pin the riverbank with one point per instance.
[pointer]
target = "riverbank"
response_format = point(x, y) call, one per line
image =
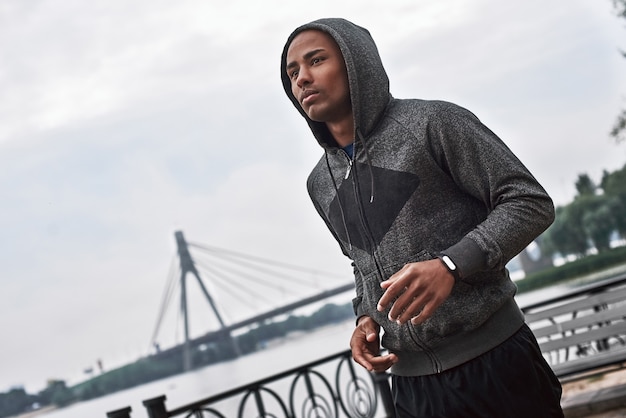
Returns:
point(36, 413)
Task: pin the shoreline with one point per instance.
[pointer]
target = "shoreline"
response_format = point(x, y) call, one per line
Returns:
point(36, 412)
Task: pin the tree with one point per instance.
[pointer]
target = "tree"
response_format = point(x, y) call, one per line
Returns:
point(619, 128)
point(592, 217)
point(585, 186)
point(593, 214)
point(56, 393)
point(15, 402)
point(617, 209)
point(614, 187)
point(620, 6)
point(614, 183)
point(565, 235)
point(331, 312)
point(599, 224)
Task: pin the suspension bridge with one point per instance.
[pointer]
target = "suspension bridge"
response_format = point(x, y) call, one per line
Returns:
point(227, 280)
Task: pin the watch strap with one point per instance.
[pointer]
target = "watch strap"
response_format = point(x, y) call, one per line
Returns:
point(450, 265)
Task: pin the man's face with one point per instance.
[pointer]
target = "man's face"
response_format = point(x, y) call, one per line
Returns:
point(318, 76)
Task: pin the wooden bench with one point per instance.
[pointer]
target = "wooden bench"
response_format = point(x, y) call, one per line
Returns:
point(582, 331)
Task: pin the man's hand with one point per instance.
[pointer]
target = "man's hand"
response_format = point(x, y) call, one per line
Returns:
point(365, 345)
point(420, 288)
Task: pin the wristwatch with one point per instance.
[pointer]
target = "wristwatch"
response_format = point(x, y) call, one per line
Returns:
point(449, 264)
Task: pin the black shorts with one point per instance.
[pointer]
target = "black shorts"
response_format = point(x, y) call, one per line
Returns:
point(512, 380)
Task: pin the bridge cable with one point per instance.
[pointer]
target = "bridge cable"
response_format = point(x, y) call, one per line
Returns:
point(246, 275)
point(170, 287)
point(215, 275)
point(236, 254)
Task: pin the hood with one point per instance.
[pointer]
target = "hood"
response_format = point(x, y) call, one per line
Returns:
point(368, 81)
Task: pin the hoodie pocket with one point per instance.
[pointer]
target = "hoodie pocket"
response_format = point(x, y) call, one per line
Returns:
point(466, 308)
point(395, 336)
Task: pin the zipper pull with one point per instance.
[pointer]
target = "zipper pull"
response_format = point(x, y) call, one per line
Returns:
point(348, 170)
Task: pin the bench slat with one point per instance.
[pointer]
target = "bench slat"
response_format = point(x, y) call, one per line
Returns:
point(610, 314)
point(584, 364)
point(588, 302)
point(616, 328)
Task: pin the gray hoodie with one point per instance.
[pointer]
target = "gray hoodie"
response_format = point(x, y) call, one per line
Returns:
point(427, 178)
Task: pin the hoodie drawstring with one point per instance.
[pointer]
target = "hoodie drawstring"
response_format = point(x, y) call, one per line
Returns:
point(369, 162)
point(343, 215)
point(359, 137)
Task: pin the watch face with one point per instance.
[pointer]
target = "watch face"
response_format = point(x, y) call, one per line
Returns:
point(449, 262)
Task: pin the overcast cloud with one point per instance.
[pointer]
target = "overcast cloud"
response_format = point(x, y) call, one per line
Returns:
point(124, 121)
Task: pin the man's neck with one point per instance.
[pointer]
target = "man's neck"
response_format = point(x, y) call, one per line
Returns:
point(343, 132)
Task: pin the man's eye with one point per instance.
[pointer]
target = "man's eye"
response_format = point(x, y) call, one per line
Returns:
point(293, 74)
point(316, 60)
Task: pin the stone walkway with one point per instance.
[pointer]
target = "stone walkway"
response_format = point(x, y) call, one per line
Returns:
point(598, 396)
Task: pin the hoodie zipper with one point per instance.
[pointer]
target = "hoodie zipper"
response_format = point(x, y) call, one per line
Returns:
point(361, 211)
point(433, 358)
point(355, 184)
point(350, 161)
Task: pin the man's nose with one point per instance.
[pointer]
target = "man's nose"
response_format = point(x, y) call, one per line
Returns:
point(304, 77)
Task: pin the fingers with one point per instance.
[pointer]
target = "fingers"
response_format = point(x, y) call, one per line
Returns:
point(364, 342)
point(362, 360)
point(406, 308)
point(405, 290)
point(415, 292)
point(393, 287)
point(368, 326)
point(365, 346)
point(382, 363)
point(427, 312)
point(375, 363)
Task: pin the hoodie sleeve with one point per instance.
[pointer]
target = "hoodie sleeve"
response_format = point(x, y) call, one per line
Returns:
point(519, 209)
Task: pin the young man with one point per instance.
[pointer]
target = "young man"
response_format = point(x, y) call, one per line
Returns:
point(429, 205)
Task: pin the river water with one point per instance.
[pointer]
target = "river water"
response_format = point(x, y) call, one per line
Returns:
point(186, 388)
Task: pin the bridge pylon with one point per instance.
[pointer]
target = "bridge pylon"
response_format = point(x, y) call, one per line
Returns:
point(187, 266)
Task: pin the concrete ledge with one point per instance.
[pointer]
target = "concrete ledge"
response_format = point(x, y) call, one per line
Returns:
point(595, 402)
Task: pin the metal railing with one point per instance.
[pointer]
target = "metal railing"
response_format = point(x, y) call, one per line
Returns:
point(304, 391)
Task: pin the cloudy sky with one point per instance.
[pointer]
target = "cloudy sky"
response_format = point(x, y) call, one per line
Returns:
point(124, 121)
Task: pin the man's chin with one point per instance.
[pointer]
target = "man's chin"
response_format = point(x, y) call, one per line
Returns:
point(315, 116)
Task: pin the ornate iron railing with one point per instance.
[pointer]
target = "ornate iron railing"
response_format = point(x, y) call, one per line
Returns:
point(304, 391)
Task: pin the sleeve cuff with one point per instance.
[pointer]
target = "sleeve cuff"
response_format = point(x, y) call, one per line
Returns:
point(467, 256)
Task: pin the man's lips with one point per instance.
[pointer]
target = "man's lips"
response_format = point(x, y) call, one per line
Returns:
point(307, 95)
